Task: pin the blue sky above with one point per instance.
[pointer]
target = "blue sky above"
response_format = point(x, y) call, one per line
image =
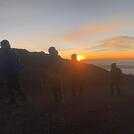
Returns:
point(37, 24)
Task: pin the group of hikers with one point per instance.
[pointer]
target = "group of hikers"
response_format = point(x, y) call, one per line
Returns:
point(11, 67)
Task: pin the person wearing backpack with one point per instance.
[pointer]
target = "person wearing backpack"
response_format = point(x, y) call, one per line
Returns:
point(11, 68)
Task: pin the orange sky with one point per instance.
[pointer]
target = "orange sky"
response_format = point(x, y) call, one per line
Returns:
point(110, 56)
point(103, 56)
point(96, 29)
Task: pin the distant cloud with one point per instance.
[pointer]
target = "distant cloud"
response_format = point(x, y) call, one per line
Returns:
point(65, 49)
point(122, 42)
point(114, 44)
point(92, 30)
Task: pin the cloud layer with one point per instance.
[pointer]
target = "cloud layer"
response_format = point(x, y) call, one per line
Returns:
point(119, 42)
point(114, 47)
point(92, 30)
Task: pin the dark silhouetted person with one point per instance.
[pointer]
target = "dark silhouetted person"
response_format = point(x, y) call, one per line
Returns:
point(55, 74)
point(115, 78)
point(76, 76)
point(11, 67)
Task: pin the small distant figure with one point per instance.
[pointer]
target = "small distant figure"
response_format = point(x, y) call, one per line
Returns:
point(55, 75)
point(76, 77)
point(11, 67)
point(115, 78)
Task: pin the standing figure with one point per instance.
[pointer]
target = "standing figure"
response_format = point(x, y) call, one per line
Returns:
point(11, 67)
point(76, 76)
point(55, 75)
point(115, 78)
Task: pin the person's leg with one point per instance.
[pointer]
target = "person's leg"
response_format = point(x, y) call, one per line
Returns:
point(118, 88)
point(61, 95)
point(73, 86)
point(112, 88)
point(17, 87)
point(55, 94)
point(73, 92)
point(74, 89)
point(80, 91)
point(11, 91)
point(57, 91)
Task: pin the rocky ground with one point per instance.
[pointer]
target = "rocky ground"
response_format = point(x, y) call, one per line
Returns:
point(95, 112)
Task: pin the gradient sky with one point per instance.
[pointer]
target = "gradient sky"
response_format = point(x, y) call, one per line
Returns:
point(95, 28)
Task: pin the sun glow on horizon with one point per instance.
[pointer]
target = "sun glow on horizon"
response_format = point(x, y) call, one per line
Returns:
point(101, 56)
point(81, 57)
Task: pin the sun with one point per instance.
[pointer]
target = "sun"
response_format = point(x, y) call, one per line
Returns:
point(80, 57)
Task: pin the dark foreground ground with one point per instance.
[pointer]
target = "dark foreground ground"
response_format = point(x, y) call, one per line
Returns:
point(95, 112)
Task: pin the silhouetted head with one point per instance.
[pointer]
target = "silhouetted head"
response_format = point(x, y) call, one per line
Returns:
point(52, 51)
point(5, 44)
point(113, 65)
point(74, 57)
